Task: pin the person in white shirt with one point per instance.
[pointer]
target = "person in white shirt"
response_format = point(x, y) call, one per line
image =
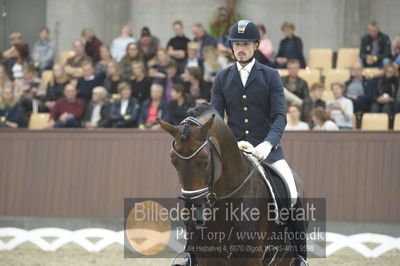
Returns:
point(321, 120)
point(118, 45)
point(340, 108)
point(294, 122)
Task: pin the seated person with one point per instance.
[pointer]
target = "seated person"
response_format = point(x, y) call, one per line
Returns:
point(157, 65)
point(203, 37)
point(119, 44)
point(293, 82)
point(43, 51)
point(196, 86)
point(312, 102)
point(140, 83)
point(11, 112)
point(105, 57)
point(224, 47)
point(73, 66)
point(133, 54)
point(192, 60)
point(358, 89)
point(171, 79)
point(55, 87)
point(4, 79)
point(180, 103)
point(340, 109)
point(291, 47)
point(153, 108)
point(375, 50)
point(176, 46)
point(15, 39)
point(92, 44)
point(213, 62)
point(265, 46)
point(386, 91)
point(97, 110)
point(321, 120)
point(125, 110)
point(15, 64)
point(148, 44)
point(113, 79)
point(294, 122)
point(69, 110)
point(88, 81)
point(30, 91)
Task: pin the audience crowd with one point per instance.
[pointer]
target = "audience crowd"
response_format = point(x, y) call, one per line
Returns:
point(132, 82)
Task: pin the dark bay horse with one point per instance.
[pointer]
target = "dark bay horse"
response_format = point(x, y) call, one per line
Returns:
point(213, 170)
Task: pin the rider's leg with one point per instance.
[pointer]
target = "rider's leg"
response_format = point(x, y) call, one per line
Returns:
point(296, 226)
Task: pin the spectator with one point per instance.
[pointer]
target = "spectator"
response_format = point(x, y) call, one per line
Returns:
point(55, 87)
point(171, 80)
point(340, 108)
point(359, 90)
point(105, 58)
point(14, 65)
point(113, 78)
point(293, 82)
point(224, 46)
point(386, 91)
point(153, 108)
point(119, 44)
point(4, 79)
point(88, 82)
point(201, 36)
point(68, 111)
point(213, 62)
point(195, 84)
point(375, 49)
point(30, 91)
point(133, 54)
point(11, 112)
point(312, 102)
point(140, 83)
point(294, 122)
point(176, 46)
point(321, 120)
point(73, 66)
point(92, 44)
point(97, 110)
point(125, 110)
point(15, 39)
point(265, 47)
point(180, 103)
point(148, 44)
point(396, 52)
point(157, 65)
point(43, 51)
point(291, 47)
point(192, 60)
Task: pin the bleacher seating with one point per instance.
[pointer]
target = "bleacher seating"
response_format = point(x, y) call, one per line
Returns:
point(320, 59)
point(310, 75)
point(375, 121)
point(347, 57)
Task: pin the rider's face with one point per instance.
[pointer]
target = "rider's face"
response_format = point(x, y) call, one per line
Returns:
point(244, 50)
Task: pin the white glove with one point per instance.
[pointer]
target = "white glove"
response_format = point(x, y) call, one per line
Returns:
point(245, 146)
point(262, 150)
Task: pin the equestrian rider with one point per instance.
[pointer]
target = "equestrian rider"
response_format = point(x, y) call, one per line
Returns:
point(252, 96)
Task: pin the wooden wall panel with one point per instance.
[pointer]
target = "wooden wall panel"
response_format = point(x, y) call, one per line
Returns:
point(84, 173)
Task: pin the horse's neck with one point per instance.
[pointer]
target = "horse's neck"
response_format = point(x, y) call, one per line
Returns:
point(234, 167)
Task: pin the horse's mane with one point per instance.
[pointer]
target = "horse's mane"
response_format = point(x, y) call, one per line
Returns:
point(201, 109)
point(198, 110)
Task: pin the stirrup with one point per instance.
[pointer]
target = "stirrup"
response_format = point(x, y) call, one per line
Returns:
point(302, 261)
point(186, 257)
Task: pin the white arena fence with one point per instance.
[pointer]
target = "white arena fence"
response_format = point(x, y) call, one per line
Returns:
point(105, 238)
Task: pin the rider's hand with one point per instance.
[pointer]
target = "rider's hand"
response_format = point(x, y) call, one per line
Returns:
point(262, 150)
point(245, 146)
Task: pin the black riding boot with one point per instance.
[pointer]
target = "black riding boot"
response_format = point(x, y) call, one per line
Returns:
point(298, 227)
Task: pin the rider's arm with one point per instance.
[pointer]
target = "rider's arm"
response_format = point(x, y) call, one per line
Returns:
point(217, 97)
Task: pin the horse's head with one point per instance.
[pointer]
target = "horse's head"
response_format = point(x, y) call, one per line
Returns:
point(194, 154)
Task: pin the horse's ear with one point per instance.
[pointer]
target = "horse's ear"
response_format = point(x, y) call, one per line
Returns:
point(172, 130)
point(206, 127)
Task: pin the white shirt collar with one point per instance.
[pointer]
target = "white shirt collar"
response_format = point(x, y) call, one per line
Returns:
point(248, 67)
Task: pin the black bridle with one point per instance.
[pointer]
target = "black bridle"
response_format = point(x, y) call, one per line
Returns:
point(208, 192)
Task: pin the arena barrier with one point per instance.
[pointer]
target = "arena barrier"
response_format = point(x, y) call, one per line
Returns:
point(88, 173)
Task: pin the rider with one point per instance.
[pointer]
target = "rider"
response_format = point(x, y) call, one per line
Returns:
point(252, 96)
